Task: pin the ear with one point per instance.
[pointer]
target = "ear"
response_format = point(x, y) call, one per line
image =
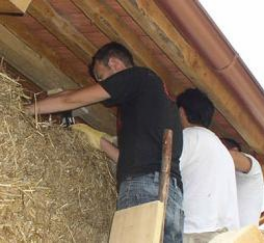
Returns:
point(182, 112)
point(116, 64)
point(234, 149)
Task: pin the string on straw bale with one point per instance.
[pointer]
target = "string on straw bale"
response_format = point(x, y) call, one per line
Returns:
point(53, 186)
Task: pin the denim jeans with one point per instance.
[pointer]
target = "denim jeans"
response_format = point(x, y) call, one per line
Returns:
point(142, 189)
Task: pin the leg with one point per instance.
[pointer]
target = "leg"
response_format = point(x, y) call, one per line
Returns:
point(174, 215)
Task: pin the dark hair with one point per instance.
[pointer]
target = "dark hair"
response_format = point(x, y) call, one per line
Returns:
point(198, 107)
point(231, 143)
point(112, 49)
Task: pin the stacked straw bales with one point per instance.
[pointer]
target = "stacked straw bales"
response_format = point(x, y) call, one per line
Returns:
point(53, 186)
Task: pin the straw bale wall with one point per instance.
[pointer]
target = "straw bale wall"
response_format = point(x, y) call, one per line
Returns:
point(53, 186)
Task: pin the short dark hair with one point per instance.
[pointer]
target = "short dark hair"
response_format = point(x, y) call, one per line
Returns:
point(198, 107)
point(112, 49)
point(231, 143)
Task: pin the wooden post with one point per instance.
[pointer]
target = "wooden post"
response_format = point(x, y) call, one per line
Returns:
point(165, 173)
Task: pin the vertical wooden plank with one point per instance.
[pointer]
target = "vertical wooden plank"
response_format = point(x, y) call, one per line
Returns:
point(165, 174)
point(139, 224)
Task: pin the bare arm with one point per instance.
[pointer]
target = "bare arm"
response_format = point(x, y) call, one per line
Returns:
point(70, 99)
point(242, 162)
point(111, 151)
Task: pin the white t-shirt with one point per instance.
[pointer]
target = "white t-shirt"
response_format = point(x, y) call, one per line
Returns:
point(250, 193)
point(209, 183)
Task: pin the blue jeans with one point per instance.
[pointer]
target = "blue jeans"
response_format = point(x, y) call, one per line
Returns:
point(142, 189)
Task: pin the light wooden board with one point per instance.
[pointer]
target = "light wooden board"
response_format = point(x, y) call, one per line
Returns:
point(14, 6)
point(249, 234)
point(140, 224)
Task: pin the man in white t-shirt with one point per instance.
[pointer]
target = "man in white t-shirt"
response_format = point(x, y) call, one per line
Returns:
point(249, 184)
point(208, 173)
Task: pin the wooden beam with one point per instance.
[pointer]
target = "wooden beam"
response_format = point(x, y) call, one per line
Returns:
point(114, 27)
point(60, 27)
point(40, 70)
point(14, 51)
point(14, 7)
point(158, 27)
point(20, 30)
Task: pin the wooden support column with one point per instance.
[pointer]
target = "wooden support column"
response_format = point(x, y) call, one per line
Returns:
point(40, 70)
point(60, 27)
point(158, 27)
point(14, 7)
point(165, 174)
point(114, 27)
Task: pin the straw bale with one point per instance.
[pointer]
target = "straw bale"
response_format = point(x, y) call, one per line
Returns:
point(53, 186)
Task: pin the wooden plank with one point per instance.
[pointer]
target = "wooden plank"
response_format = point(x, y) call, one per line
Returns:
point(14, 51)
point(14, 7)
point(40, 70)
point(21, 31)
point(158, 27)
point(165, 174)
point(139, 224)
point(60, 27)
point(245, 235)
point(165, 166)
point(114, 27)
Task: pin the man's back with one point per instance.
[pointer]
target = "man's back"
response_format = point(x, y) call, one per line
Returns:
point(208, 174)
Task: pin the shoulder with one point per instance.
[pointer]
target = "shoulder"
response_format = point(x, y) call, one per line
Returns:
point(198, 131)
point(145, 73)
point(135, 74)
point(205, 139)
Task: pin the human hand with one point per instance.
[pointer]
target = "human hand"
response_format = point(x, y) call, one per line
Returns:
point(94, 136)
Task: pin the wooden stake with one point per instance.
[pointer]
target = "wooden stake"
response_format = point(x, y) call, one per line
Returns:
point(165, 173)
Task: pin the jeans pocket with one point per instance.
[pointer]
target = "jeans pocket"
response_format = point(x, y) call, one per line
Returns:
point(138, 190)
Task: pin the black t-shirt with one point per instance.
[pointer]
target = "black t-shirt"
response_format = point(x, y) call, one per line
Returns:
point(145, 112)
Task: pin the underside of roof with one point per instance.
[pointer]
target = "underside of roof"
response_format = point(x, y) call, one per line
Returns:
point(49, 43)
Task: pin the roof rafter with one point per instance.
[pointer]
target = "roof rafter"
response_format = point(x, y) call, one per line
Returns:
point(60, 27)
point(20, 30)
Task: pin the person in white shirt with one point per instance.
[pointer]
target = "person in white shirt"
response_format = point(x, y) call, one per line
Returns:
point(208, 173)
point(249, 184)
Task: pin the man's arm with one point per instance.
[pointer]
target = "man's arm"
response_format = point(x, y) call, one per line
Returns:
point(241, 161)
point(70, 99)
point(111, 151)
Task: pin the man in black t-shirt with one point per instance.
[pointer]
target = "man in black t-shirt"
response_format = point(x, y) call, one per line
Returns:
point(145, 112)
